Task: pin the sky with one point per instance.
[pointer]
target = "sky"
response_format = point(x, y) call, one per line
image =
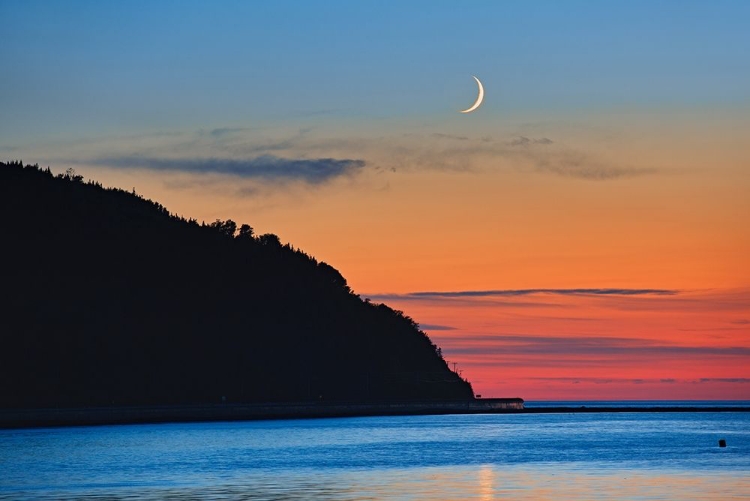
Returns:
point(583, 235)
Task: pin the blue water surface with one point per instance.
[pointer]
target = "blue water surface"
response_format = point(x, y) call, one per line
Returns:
point(520, 456)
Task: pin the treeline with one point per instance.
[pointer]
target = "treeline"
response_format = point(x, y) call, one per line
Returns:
point(111, 300)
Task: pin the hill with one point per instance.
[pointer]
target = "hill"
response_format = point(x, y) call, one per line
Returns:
point(108, 299)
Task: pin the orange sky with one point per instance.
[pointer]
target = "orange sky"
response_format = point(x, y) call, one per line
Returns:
point(686, 345)
point(611, 151)
point(604, 200)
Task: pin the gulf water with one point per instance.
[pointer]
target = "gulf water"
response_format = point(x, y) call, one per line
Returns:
point(619, 455)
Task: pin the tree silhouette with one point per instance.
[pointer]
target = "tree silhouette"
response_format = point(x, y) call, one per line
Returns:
point(246, 232)
point(227, 228)
point(111, 300)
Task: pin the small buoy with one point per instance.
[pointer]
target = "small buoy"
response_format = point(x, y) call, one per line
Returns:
point(722, 443)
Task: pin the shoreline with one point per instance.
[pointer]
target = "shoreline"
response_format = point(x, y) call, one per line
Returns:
point(86, 416)
point(93, 416)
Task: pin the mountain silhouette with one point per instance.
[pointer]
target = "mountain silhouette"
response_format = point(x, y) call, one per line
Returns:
point(108, 299)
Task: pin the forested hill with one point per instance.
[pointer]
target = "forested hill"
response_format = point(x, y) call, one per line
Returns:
point(108, 299)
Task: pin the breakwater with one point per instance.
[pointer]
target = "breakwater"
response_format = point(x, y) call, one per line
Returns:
point(23, 418)
point(27, 418)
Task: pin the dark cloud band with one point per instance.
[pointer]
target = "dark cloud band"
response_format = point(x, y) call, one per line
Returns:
point(576, 380)
point(527, 292)
point(266, 167)
point(436, 327)
point(569, 346)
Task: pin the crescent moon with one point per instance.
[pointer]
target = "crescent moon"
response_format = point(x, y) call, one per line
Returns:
point(480, 97)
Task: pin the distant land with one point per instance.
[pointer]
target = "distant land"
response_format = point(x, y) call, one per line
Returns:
point(110, 300)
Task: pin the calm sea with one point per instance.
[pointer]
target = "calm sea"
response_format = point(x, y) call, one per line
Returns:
point(637, 456)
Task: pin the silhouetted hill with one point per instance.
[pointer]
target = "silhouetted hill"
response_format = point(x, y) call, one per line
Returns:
point(108, 299)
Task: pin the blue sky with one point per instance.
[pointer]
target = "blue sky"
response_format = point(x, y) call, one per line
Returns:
point(86, 68)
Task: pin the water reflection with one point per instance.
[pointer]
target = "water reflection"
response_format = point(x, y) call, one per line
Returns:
point(486, 483)
point(483, 483)
point(645, 456)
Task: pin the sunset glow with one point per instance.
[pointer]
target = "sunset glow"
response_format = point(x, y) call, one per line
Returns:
point(584, 234)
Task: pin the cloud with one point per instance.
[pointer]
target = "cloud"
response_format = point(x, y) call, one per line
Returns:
point(248, 151)
point(741, 380)
point(569, 162)
point(571, 319)
point(468, 302)
point(711, 329)
point(596, 380)
point(452, 152)
point(449, 136)
point(525, 141)
point(575, 164)
point(435, 327)
point(526, 292)
point(572, 346)
point(223, 131)
point(265, 167)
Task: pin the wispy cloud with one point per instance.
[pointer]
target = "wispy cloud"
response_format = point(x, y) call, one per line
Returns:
point(742, 380)
point(577, 346)
point(525, 141)
point(224, 131)
point(441, 151)
point(525, 292)
point(265, 167)
point(321, 154)
point(597, 380)
point(578, 165)
point(571, 162)
point(711, 329)
point(440, 135)
point(436, 327)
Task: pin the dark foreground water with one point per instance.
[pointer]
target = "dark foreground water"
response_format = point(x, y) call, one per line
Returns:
point(641, 456)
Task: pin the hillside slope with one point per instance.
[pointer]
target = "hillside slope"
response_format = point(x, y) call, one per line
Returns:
point(110, 300)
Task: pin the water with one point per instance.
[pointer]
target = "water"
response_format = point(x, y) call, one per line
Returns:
point(640, 456)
